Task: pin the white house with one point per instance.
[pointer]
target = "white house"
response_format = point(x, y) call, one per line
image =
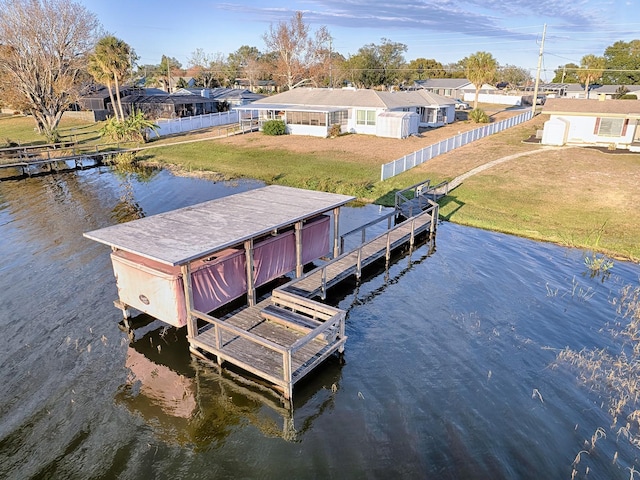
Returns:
point(606, 123)
point(313, 111)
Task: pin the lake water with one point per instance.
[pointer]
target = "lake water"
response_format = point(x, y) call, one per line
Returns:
point(449, 365)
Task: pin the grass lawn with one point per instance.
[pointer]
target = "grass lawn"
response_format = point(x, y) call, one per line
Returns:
point(21, 129)
point(577, 197)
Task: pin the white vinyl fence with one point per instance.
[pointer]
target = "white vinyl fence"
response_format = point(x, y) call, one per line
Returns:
point(186, 124)
point(411, 160)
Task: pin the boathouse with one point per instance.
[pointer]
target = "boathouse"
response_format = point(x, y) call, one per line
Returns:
point(182, 265)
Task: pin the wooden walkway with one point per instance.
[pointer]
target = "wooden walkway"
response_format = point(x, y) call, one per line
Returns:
point(317, 282)
point(282, 338)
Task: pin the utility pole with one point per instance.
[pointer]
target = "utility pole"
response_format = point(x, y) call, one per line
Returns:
point(535, 89)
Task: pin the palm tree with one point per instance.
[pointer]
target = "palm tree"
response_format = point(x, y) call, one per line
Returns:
point(591, 69)
point(101, 75)
point(111, 62)
point(480, 68)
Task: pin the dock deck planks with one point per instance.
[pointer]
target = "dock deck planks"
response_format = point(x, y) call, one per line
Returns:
point(268, 363)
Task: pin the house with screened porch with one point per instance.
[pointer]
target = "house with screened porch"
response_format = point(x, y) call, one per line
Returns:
point(313, 111)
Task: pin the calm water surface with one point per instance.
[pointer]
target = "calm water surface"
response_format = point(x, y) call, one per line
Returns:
point(447, 374)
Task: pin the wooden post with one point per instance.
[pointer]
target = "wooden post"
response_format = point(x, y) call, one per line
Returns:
point(336, 228)
point(192, 322)
point(342, 331)
point(388, 255)
point(288, 391)
point(413, 226)
point(298, 234)
point(434, 218)
point(251, 288)
point(324, 283)
point(359, 263)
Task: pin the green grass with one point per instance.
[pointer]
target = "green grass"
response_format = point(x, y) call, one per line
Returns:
point(552, 196)
point(317, 172)
point(21, 129)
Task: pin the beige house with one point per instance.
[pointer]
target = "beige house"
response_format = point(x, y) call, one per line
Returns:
point(604, 123)
point(313, 111)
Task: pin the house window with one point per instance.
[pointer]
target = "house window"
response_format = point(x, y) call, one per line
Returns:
point(611, 127)
point(305, 118)
point(365, 117)
point(340, 118)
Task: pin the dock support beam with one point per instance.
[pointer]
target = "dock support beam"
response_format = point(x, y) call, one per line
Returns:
point(336, 232)
point(192, 322)
point(298, 233)
point(251, 287)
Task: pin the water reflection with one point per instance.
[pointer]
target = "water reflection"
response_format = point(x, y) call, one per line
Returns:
point(198, 405)
point(443, 355)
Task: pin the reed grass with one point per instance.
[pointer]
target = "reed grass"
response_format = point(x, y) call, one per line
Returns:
point(614, 376)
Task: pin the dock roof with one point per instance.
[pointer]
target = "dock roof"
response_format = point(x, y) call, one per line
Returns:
point(186, 234)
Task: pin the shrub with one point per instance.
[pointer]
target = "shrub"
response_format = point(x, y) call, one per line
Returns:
point(629, 96)
point(133, 128)
point(335, 130)
point(274, 127)
point(477, 115)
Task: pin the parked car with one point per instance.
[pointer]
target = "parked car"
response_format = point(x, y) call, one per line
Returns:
point(460, 105)
point(540, 99)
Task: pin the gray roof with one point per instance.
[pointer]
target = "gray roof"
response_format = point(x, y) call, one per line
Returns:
point(579, 106)
point(443, 83)
point(186, 234)
point(167, 99)
point(324, 99)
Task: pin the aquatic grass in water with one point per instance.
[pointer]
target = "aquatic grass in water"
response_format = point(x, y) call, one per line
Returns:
point(615, 375)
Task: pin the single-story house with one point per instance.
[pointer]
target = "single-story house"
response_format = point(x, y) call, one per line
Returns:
point(447, 87)
point(96, 98)
point(611, 91)
point(588, 122)
point(233, 97)
point(313, 111)
point(169, 106)
point(256, 86)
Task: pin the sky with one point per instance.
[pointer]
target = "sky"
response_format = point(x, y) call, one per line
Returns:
point(445, 30)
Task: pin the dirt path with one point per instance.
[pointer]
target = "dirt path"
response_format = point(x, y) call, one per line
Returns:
point(461, 178)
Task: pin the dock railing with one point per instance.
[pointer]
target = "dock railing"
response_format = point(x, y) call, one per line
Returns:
point(418, 196)
point(363, 229)
point(329, 318)
point(380, 246)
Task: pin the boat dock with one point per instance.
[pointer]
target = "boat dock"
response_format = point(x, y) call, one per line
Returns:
point(182, 266)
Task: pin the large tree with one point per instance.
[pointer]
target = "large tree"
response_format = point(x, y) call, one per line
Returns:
point(45, 48)
point(391, 55)
point(567, 74)
point(591, 69)
point(422, 68)
point(297, 50)
point(514, 76)
point(622, 63)
point(169, 67)
point(377, 65)
point(480, 68)
point(111, 63)
point(199, 67)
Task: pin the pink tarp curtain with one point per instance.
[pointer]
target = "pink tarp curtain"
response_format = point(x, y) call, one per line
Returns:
point(157, 289)
point(217, 282)
point(274, 257)
point(315, 239)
